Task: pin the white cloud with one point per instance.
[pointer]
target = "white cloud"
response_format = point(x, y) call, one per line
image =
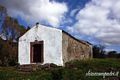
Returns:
point(39, 10)
point(73, 12)
point(101, 19)
point(70, 29)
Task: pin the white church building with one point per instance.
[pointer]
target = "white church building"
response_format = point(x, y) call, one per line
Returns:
point(42, 44)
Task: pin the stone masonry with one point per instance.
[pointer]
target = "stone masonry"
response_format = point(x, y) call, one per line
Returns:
point(74, 49)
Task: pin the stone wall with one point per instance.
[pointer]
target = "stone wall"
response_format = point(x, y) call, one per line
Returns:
point(74, 49)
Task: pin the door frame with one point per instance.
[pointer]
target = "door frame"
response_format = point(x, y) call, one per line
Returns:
point(31, 50)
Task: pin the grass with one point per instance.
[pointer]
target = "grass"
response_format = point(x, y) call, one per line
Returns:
point(74, 70)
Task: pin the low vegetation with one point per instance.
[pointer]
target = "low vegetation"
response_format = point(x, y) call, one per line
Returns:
point(74, 70)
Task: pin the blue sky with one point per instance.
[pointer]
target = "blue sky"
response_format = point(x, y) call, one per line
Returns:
point(96, 21)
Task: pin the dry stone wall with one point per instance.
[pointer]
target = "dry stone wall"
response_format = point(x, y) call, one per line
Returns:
point(73, 49)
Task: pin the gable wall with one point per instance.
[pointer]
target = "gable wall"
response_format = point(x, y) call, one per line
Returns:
point(52, 39)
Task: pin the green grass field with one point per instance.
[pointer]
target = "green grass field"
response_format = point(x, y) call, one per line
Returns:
point(74, 70)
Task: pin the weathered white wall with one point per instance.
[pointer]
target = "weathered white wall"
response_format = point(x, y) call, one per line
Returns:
point(52, 44)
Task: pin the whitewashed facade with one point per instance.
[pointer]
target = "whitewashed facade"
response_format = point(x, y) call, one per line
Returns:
point(52, 39)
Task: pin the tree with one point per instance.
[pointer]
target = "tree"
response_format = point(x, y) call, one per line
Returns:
point(98, 51)
point(113, 54)
point(3, 14)
point(11, 29)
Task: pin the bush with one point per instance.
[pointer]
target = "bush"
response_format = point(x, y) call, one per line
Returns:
point(12, 62)
point(56, 74)
point(8, 53)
